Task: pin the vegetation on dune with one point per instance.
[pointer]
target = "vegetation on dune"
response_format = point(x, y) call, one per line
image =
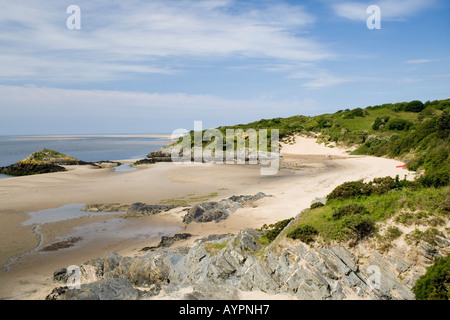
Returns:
point(352, 214)
point(414, 132)
point(435, 283)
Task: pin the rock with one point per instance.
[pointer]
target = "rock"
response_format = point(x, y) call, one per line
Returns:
point(429, 250)
point(39, 162)
point(216, 267)
point(442, 242)
point(245, 199)
point(141, 209)
point(213, 237)
point(154, 157)
point(60, 275)
point(167, 241)
point(105, 289)
point(22, 169)
point(217, 211)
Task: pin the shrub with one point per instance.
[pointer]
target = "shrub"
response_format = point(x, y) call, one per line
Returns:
point(361, 227)
point(399, 125)
point(415, 106)
point(434, 284)
point(383, 185)
point(358, 188)
point(304, 233)
point(274, 230)
point(324, 123)
point(378, 122)
point(393, 232)
point(443, 125)
point(358, 112)
point(347, 190)
point(316, 205)
point(428, 235)
point(349, 210)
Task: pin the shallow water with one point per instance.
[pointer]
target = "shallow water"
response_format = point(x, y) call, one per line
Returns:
point(66, 212)
point(124, 168)
point(86, 148)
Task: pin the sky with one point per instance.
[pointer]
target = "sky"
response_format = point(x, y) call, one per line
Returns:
point(156, 66)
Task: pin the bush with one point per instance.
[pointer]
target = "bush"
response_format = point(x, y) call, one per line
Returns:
point(393, 233)
point(383, 185)
point(358, 188)
point(361, 227)
point(358, 112)
point(304, 233)
point(443, 125)
point(399, 125)
point(415, 106)
point(316, 205)
point(434, 284)
point(349, 210)
point(274, 230)
point(378, 122)
point(348, 190)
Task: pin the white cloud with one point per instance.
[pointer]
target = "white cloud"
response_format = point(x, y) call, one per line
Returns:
point(390, 9)
point(421, 61)
point(325, 81)
point(135, 36)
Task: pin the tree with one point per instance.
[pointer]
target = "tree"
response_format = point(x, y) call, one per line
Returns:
point(443, 125)
point(415, 106)
point(378, 122)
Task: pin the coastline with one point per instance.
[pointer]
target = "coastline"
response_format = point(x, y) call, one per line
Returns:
point(308, 172)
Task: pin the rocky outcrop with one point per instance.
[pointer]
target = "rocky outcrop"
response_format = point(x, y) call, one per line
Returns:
point(167, 241)
point(154, 157)
point(217, 211)
point(105, 289)
point(24, 169)
point(39, 162)
point(139, 209)
point(219, 267)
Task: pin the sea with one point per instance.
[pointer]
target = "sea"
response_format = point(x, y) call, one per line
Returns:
point(83, 147)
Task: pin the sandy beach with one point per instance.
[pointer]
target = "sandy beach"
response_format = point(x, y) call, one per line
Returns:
point(308, 171)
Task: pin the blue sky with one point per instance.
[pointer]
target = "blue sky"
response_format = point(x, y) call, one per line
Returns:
point(155, 66)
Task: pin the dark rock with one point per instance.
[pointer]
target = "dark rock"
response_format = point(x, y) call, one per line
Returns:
point(23, 169)
point(245, 199)
point(213, 237)
point(167, 241)
point(141, 209)
point(104, 289)
point(60, 275)
point(442, 242)
point(217, 211)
